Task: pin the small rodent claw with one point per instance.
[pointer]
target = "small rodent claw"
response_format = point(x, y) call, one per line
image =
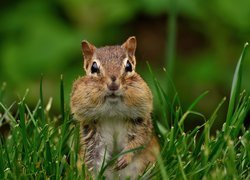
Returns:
point(122, 162)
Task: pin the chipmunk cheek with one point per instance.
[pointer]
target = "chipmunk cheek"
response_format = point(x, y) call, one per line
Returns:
point(96, 95)
point(129, 99)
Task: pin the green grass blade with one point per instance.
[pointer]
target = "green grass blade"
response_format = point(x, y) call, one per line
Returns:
point(1, 159)
point(206, 133)
point(195, 102)
point(41, 101)
point(217, 148)
point(6, 152)
point(235, 89)
point(160, 97)
point(162, 168)
point(48, 160)
point(103, 163)
point(76, 140)
point(181, 166)
point(241, 116)
point(184, 117)
point(23, 128)
point(62, 98)
point(7, 112)
point(155, 83)
point(214, 114)
point(116, 157)
point(175, 99)
point(171, 38)
point(31, 116)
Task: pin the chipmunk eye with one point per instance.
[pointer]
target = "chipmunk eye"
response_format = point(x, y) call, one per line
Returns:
point(128, 67)
point(94, 68)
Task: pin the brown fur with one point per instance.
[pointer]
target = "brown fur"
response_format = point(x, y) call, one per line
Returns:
point(131, 111)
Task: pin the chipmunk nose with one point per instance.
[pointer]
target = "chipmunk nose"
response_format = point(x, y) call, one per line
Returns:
point(113, 78)
point(113, 86)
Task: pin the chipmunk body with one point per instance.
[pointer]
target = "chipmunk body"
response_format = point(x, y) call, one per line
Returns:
point(113, 105)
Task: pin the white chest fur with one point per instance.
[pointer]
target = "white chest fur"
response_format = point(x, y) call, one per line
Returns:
point(113, 132)
point(112, 128)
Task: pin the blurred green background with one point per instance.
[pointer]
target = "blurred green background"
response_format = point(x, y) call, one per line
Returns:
point(44, 37)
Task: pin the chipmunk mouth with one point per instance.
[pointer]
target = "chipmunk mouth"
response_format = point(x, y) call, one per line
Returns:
point(113, 96)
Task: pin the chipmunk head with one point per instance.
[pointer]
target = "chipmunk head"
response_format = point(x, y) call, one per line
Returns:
point(112, 64)
point(111, 87)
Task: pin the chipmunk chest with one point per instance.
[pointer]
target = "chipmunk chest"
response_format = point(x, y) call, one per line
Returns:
point(113, 132)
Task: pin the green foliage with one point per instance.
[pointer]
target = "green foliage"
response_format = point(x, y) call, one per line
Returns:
point(42, 146)
point(38, 145)
point(44, 37)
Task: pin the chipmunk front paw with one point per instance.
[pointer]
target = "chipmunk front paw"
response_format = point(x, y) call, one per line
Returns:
point(123, 161)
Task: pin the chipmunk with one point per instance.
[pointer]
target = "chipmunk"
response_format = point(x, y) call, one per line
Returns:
point(113, 105)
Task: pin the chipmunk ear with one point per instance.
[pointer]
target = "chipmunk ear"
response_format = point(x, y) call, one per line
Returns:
point(88, 52)
point(130, 46)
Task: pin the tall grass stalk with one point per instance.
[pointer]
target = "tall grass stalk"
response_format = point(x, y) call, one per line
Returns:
point(171, 42)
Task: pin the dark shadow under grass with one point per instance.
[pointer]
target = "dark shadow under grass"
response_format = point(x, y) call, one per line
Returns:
point(41, 146)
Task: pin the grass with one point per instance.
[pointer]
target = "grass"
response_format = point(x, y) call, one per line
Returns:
point(41, 146)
